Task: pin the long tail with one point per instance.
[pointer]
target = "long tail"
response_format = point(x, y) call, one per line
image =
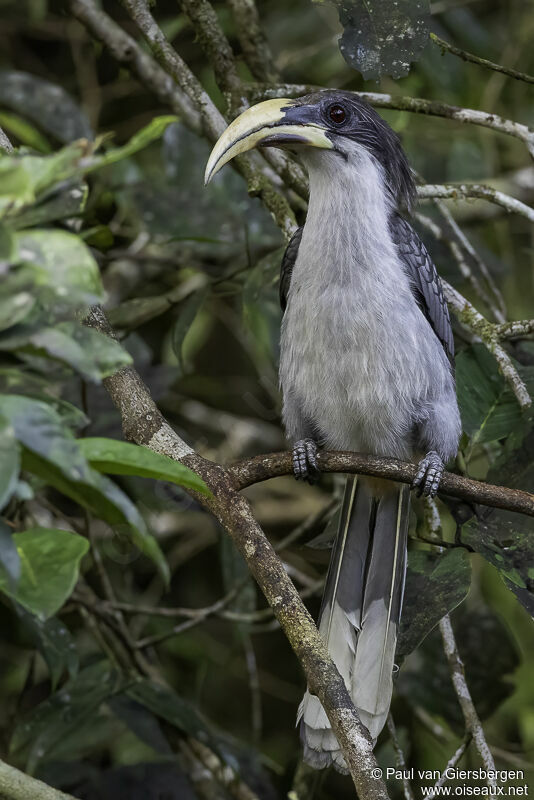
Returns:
point(360, 612)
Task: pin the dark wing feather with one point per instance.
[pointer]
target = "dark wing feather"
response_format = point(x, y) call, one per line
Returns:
point(288, 262)
point(426, 284)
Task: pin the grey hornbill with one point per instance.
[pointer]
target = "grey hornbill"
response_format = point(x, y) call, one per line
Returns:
point(366, 364)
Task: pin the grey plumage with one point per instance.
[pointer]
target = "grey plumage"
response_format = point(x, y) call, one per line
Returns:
point(366, 351)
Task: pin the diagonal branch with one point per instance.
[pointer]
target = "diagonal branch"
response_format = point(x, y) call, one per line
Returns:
point(456, 191)
point(144, 424)
point(482, 62)
point(472, 720)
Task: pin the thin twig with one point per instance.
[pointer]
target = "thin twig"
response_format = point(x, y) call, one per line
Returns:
point(456, 191)
point(472, 720)
point(453, 761)
point(400, 759)
point(482, 62)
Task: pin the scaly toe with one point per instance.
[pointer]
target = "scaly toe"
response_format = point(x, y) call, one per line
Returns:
point(305, 466)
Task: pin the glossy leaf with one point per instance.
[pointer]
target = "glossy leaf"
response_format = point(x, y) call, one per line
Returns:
point(124, 458)
point(50, 560)
point(55, 643)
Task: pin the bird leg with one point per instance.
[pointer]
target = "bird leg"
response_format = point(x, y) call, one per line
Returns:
point(428, 476)
point(305, 467)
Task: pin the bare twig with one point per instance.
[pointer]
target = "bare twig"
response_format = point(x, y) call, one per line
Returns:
point(483, 62)
point(400, 759)
point(457, 191)
point(252, 40)
point(515, 329)
point(453, 761)
point(472, 721)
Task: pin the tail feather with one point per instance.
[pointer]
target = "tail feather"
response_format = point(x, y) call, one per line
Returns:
point(360, 612)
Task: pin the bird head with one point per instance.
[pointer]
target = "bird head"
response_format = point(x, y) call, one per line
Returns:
point(331, 127)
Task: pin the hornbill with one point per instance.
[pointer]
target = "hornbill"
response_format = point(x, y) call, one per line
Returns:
point(366, 364)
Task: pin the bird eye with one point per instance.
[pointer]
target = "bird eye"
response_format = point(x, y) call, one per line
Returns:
point(337, 114)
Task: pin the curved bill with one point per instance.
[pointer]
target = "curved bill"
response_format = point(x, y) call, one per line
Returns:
point(263, 125)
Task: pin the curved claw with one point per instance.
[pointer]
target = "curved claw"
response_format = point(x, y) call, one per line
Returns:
point(305, 467)
point(428, 477)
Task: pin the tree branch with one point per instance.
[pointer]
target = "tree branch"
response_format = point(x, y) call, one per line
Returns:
point(456, 191)
point(472, 721)
point(144, 424)
point(16, 785)
point(5, 144)
point(260, 468)
point(482, 62)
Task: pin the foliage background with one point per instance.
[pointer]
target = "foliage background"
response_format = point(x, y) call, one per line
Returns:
point(190, 278)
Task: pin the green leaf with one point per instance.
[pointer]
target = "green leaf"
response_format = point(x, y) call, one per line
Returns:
point(59, 719)
point(186, 316)
point(435, 584)
point(89, 352)
point(55, 643)
point(154, 130)
point(124, 458)
point(166, 704)
point(52, 453)
point(25, 133)
point(9, 461)
point(68, 201)
point(141, 722)
point(61, 260)
point(488, 408)
point(50, 560)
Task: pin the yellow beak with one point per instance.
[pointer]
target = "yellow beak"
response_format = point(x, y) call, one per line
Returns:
point(262, 124)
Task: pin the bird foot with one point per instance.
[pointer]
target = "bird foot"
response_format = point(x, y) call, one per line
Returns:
point(305, 467)
point(428, 477)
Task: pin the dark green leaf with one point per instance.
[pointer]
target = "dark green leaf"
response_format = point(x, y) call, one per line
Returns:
point(382, 37)
point(68, 201)
point(55, 643)
point(50, 560)
point(54, 721)
point(489, 657)
point(124, 458)
point(435, 584)
point(164, 703)
point(488, 408)
point(140, 721)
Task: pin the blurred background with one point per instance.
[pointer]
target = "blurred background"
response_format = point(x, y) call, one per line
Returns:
point(191, 278)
